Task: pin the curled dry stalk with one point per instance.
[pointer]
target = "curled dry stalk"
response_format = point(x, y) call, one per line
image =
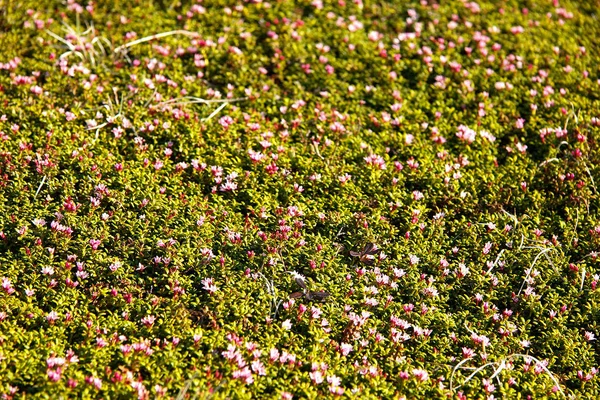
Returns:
point(183, 393)
point(197, 100)
point(114, 111)
point(275, 303)
point(188, 383)
point(498, 367)
point(543, 251)
point(40, 187)
point(496, 261)
point(123, 48)
point(187, 100)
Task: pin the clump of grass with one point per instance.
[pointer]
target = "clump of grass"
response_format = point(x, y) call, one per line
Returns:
point(86, 44)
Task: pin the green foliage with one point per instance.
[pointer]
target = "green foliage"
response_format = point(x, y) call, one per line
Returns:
point(169, 172)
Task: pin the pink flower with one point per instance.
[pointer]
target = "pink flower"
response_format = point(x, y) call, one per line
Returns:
point(413, 260)
point(467, 352)
point(95, 243)
point(316, 377)
point(256, 156)
point(115, 266)
point(344, 178)
point(272, 168)
point(337, 390)
point(258, 367)
point(225, 121)
point(52, 362)
point(462, 271)
point(96, 382)
point(480, 339)
point(207, 257)
point(209, 286)
point(420, 374)
point(36, 90)
point(520, 123)
point(515, 30)
point(52, 317)
point(337, 127)
point(487, 248)
point(375, 161)
point(488, 386)
point(148, 320)
point(244, 374)
point(466, 134)
point(274, 355)
point(54, 375)
point(7, 286)
point(345, 349)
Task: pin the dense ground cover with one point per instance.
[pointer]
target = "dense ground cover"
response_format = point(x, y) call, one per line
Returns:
point(161, 200)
